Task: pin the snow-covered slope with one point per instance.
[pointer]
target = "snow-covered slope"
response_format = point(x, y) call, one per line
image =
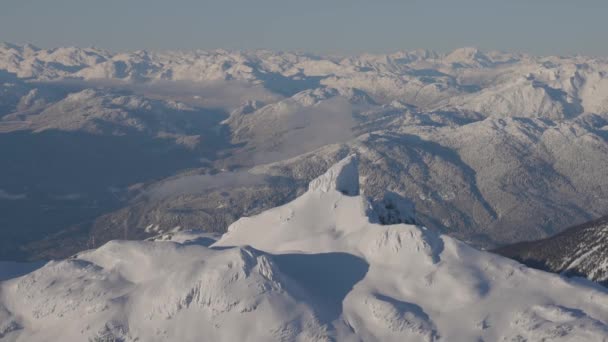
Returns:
point(519, 97)
point(104, 112)
point(578, 251)
point(316, 269)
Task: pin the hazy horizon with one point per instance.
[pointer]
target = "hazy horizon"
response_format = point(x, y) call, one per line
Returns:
point(340, 27)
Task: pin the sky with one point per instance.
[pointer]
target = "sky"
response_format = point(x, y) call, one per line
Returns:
point(542, 27)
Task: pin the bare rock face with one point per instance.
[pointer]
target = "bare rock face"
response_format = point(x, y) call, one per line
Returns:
point(394, 209)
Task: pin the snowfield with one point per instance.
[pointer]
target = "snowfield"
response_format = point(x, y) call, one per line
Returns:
point(320, 268)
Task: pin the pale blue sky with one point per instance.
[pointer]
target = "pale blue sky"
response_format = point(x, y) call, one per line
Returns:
point(335, 26)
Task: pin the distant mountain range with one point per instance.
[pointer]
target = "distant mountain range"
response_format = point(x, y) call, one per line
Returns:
point(490, 147)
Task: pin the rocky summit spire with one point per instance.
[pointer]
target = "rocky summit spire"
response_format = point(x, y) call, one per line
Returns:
point(343, 177)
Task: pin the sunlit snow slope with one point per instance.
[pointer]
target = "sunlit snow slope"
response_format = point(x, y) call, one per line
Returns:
point(315, 269)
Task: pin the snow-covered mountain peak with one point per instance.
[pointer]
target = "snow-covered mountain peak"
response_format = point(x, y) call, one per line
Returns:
point(25, 49)
point(343, 177)
point(489, 147)
point(312, 97)
point(413, 283)
point(468, 56)
point(315, 269)
point(333, 216)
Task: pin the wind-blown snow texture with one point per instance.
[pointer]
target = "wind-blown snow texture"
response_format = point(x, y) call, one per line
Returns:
point(490, 147)
point(315, 269)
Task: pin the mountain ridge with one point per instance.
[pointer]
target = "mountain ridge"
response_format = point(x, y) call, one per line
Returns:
point(315, 269)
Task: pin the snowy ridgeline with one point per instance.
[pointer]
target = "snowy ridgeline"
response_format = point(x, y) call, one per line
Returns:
point(496, 83)
point(315, 269)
